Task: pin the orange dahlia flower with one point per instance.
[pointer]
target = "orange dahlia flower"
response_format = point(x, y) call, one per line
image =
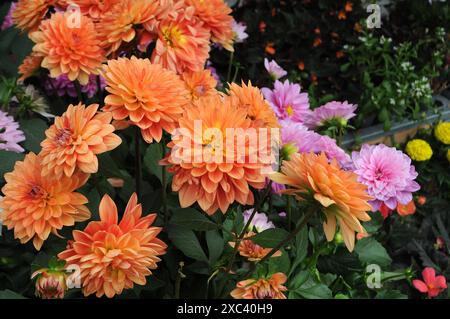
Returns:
point(224, 171)
point(251, 99)
point(36, 206)
point(114, 255)
point(183, 42)
point(118, 24)
point(200, 83)
point(75, 139)
point(95, 9)
point(28, 14)
point(341, 197)
point(253, 252)
point(151, 96)
point(263, 288)
point(68, 50)
point(216, 16)
point(29, 65)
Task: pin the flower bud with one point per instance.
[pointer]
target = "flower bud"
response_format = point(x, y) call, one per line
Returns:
point(50, 284)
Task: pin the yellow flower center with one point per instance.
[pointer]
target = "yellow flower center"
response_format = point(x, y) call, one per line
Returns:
point(290, 110)
point(173, 36)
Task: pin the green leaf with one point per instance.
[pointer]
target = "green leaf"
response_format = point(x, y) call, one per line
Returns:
point(8, 161)
point(270, 237)
point(192, 219)
point(371, 252)
point(299, 280)
point(215, 244)
point(34, 130)
point(280, 264)
point(301, 247)
point(151, 160)
point(186, 241)
point(318, 291)
point(107, 166)
point(390, 294)
point(8, 294)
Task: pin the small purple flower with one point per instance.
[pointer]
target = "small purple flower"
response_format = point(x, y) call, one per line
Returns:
point(239, 31)
point(8, 21)
point(64, 86)
point(287, 101)
point(340, 111)
point(214, 74)
point(275, 71)
point(388, 174)
point(260, 221)
point(10, 134)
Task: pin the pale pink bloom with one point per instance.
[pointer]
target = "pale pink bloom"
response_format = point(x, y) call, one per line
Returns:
point(239, 31)
point(260, 221)
point(340, 111)
point(388, 174)
point(275, 71)
point(10, 134)
point(287, 101)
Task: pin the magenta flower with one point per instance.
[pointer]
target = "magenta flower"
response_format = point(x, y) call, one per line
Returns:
point(275, 71)
point(339, 111)
point(10, 134)
point(260, 221)
point(239, 31)
point(388, 174)
point(432, 285)
point(287, 101)
point(64, 86)
point(8, 21)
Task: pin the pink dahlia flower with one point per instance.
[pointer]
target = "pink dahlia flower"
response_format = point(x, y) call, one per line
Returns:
point(296, 138)
point(307, 141)
point(64, 86)
point(8, 21)
point(287, 101)
point(10, 134)
point(388, 174)
point(340, 111)
point(260, 221)
point(275, 71)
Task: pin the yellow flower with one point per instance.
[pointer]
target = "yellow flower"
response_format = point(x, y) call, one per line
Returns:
point(419, 150)
point(442, 132)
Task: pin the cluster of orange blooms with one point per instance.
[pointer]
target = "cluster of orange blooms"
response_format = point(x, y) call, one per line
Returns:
point(167, 90)
point(76, 40)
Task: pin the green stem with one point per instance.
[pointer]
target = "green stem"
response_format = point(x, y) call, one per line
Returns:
point(291, 236)
point(138, 163)
point(78, 89)
point(230, 66)
point(164, 184)
point(180, 276)
point(289, 212)
point(247, 225)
